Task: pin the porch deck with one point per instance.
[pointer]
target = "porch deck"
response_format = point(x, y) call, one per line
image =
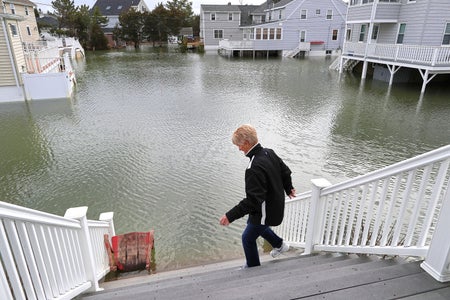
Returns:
point(320, 276)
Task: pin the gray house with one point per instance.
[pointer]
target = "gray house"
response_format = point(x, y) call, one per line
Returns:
point(398, 37)
point(286, 27)
point(112, 10)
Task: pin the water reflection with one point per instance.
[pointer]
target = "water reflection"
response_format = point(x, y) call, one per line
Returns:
point(147, 135)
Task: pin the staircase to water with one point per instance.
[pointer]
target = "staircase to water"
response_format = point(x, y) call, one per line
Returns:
point(319, 276)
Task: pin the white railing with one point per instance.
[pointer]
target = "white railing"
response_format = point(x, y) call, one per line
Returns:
point(42, 60)
point(392, 211)
point(227, 44)
point(44, 256)
point(426, 55)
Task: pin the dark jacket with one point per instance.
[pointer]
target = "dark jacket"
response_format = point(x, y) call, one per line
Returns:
point(267, 180)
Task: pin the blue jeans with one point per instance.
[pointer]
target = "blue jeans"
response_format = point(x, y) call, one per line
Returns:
point(249, 236)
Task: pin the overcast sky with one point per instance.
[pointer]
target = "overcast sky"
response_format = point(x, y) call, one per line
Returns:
point(45, 5)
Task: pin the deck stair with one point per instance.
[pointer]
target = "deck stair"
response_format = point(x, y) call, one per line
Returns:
point(349, 64)
point(316, 276)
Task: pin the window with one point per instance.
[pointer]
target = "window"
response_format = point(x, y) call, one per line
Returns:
point(265, 30)
point(28, 30)
point(334, 35)
point(446, 40)
point(280, 15)
point(348, 35)
point(401, 33)
point(119, 7)
point(317, 11)
point(27, 11)
point(329, 14)
point(258, 34)
point(302, 36)
point(303, 14)
point(272, 34)
point(375, 32)
point(230, 16)
point(278, 34)
point(362, 33)
point(218, 33)
point(213, 16)
point(13, 29)
point(13, 9)
point(108, 7)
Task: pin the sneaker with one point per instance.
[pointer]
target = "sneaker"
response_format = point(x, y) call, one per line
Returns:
point(277, 251)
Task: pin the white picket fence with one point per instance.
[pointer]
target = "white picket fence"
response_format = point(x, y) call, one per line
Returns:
point(392, 211)
point(44, 256)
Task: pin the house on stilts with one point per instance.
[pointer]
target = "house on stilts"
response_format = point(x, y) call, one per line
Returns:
point(285, 28)
point(396, 38)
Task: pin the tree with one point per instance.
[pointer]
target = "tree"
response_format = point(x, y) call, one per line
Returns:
point(97, 37)
point(65, 13)
point(82, 24)
point(179, 15)
point(156, 27)
point(131, 23)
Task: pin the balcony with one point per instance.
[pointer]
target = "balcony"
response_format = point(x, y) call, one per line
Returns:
point(427, 56)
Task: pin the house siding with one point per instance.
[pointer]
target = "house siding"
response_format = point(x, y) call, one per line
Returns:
point(316, 26)
point(231, 29)
point(29, 21)
point(6, 75)
point(425, 21)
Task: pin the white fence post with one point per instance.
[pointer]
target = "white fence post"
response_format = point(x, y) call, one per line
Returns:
point(437, 262)
point(315, 214)
point(108, 217)
point(79, 213)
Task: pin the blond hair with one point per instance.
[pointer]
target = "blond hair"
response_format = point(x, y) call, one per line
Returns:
point(244, 133)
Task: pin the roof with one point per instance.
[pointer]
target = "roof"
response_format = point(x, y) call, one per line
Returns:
point(115, 7)
point(219, 7)
point(270, 4)
point(48, 21)
point(21, 2)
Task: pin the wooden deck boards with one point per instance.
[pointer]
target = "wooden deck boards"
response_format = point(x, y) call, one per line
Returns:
point(322, 276)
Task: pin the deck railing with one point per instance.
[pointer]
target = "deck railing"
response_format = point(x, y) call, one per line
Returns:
point(44, 256)
point(392, 211)
point(425, 55)
point(227, 44)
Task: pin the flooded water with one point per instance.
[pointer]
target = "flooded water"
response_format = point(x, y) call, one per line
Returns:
point(148, 136)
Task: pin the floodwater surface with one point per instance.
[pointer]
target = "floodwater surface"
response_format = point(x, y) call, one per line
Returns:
point(147, 135)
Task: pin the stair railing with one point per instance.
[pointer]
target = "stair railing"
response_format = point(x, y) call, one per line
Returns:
point(391, 211)
point(44, 256)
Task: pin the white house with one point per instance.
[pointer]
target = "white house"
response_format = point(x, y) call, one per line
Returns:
point(287, 27)
point(398, 37)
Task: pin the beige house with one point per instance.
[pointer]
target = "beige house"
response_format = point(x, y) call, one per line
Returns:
point(12, 58)
point(28, 29)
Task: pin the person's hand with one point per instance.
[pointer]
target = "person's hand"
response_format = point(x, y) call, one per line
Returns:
point(224, 221)
point(292, 194)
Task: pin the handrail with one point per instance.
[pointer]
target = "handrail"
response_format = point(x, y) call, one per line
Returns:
point(416, 54)
point(44, 256)
point(391, 211)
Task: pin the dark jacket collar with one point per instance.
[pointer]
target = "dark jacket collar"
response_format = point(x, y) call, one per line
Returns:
point(254, 150)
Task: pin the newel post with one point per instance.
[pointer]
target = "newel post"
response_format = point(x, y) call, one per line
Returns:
point(87, 252)
point(437, 262)
point(108, 217)
point(315, 216)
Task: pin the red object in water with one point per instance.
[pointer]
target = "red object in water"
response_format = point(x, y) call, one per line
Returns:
point(130, 251)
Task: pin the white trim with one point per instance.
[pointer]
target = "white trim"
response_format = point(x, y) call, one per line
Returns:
point(263, 213)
